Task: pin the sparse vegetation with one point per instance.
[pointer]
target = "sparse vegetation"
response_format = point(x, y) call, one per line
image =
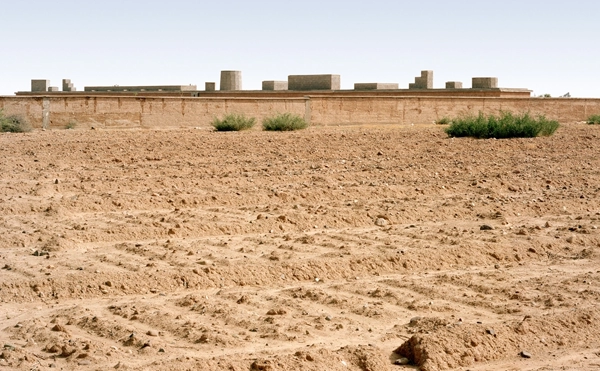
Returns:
point(443, 121)
point(284, 122)
point(71, 125)
point(13, 124)
point(234, 122)
point(505, 125)
point(594, 119)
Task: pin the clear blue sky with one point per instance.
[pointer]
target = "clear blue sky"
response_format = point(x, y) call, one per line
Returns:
point(550, 46)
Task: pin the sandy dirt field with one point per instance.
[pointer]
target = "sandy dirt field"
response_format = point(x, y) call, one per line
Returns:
point(336, 248)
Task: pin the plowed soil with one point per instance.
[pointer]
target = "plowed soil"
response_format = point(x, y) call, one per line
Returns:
point(334, 248)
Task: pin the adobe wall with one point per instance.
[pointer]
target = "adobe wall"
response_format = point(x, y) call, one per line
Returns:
point(149, 112)
point(405, 110)
point(142, 112)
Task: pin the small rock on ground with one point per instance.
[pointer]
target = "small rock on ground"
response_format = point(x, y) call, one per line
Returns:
point(380, 222)
point(402, 361)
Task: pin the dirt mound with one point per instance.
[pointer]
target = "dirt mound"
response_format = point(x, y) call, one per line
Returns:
point(460, 345)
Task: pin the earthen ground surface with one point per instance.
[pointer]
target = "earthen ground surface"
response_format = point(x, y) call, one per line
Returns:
point(336, 248)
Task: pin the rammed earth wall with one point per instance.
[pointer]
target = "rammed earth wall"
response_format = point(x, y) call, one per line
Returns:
point(152, 112)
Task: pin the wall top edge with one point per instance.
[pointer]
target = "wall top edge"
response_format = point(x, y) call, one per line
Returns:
point(130, 97)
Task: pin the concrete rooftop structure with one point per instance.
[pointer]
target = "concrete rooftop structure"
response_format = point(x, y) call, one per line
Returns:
point(297, 85)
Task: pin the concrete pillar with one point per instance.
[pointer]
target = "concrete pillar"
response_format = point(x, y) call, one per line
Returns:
point(231, 80)
point(313, 82)
point(484, 83)
point(274, 85)
point(67, 85)
point(210, 86)
point(375, 86)
point(454, 85)
point(40, 85)
point(423, 82)
point(45, 113)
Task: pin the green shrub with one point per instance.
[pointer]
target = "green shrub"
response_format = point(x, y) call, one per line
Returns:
point(506, 125)
point(594, 119)
point(284, 122)
point(443, 121)
point(71, 125)
point(13, 124)
point(234, 122)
